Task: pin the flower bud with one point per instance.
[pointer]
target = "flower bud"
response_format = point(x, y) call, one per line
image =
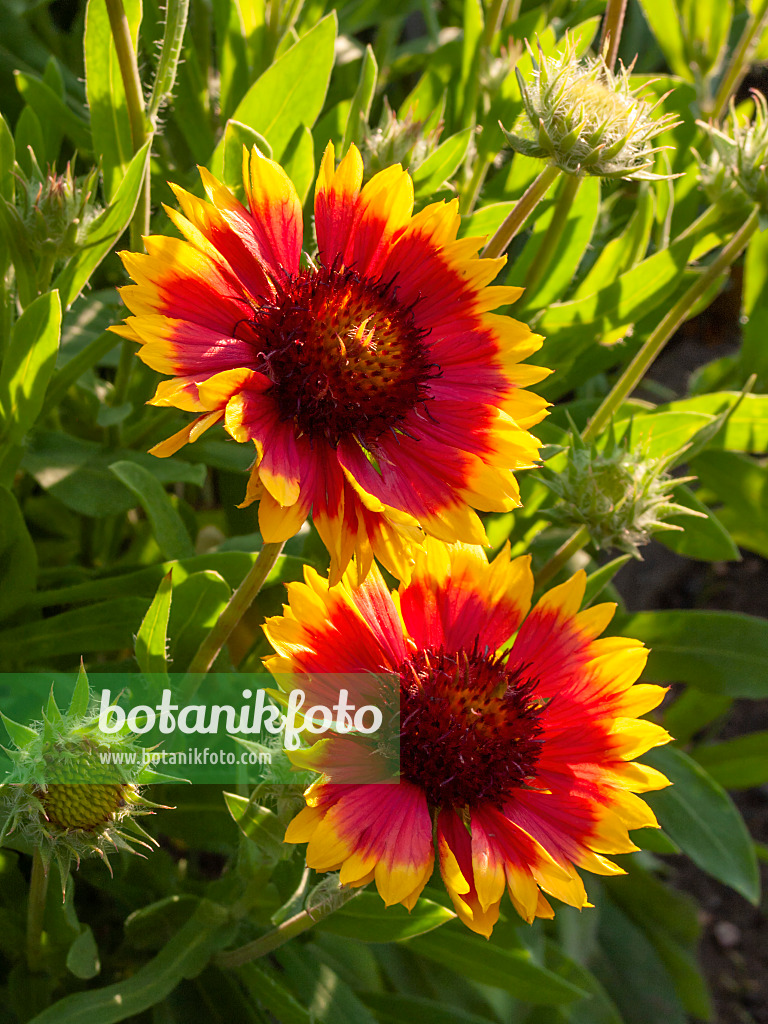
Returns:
point(397, 141)
point(621, 495)
point(585, 119)
point(735, 174)
point(67, 794)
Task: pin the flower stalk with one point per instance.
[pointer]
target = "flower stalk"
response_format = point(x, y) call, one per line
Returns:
point(676, 316)
point(566, 551)
point(613, 22)
point(286, 931)
point(523, 209)
point(238, 605)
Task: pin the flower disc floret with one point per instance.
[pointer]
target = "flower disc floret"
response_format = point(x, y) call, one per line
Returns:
point(377, 389)
point(517, 732)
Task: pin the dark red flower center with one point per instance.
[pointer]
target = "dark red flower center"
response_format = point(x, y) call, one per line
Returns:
point(345, 358)
point(469, 726)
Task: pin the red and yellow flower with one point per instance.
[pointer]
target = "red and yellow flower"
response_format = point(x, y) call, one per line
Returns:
point(515, 754)
point(379, 391)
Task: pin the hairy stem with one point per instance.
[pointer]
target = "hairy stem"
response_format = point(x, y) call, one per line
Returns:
point(613, 22)
point(567, 550)
point(677, 315)
point(523, 208)
point(283, 933)
point(238, 605)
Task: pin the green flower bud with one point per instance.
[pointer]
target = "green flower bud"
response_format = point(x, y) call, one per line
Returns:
point(585, 119)
point(621, 495)
point(396, 141)
point(63, 796)
point(735, 174)
point(48, 220)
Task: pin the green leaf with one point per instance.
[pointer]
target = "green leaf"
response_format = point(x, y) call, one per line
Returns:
point(331, 1000)
point(197, 604)
point(664, 20)
point(740, 763)
point(706, 539)
point(623, 252)
point(632, 973)
point(669, 921)
point(598, 580)
point(509, 966)
point(7, 160)
point(183, 957)
point(27, 366)
point(360, 107)
point(721, 652)
point(105, 230)
point(29, 135)
point(18, 557)
point(167, 526)
point(299, 161)
point(366, 919)
point(102, 627)
point(83, 955)
point(77, 472)
point(233, 565)
point(51, 109)
point(152, 638)
point(702, 819)
point(290, 93)
point(231, 54)
point(754, 354)
point(441, 165)
point(259, 824)
point(236, 136)
point(268, 990)
point(571, 246)
point(391, 1008)
point(110, 123)
point(661, 433)
point(693, 711)
point(741, 484)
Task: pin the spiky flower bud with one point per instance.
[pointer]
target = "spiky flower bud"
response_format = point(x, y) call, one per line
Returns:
point(585, 119)
point(67, 794)
point(396, 141)
point(735, 174)
point(621, 495)
point(48, 219)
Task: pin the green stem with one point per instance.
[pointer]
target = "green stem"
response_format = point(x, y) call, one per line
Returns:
point(613, 22)
point(740, 61)
point(469, 196)
point(567, 550)
point(38, 889)
point(283, 933)
point(134, 100)
point(542, 259)
point(523, 208)
point(493, 19)
point(674, 318)
point(238, 605)
point(129, 71)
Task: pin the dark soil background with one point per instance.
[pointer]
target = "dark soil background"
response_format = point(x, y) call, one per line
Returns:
point(734, 947)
